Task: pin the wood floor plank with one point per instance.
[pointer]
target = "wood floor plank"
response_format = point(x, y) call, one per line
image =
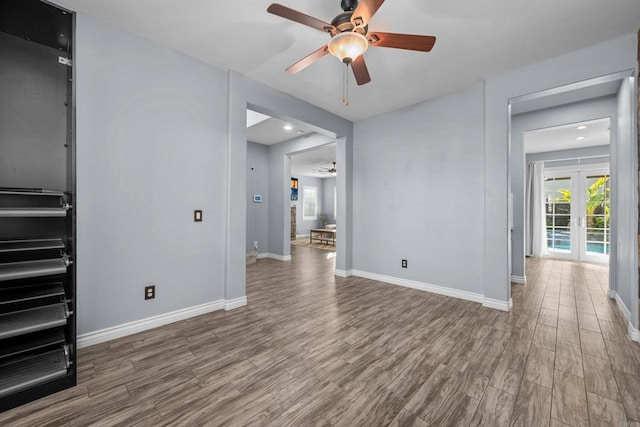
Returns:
point(569, 401)
point(569, 358)
point(540, 365)
point(629, 386)
point(509, 372)
point(495, 409)
point(605, 412)
point(533, 406)
point(599, 378)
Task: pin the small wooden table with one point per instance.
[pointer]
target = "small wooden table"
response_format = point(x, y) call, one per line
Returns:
point(323, 236)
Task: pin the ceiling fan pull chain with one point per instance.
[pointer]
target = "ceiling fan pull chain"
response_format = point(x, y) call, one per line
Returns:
point(345, 84)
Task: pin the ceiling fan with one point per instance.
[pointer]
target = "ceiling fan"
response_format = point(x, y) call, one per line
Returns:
point(350, 36)
point(331, 171)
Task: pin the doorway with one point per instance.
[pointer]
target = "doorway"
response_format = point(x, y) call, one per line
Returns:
point(577, 213)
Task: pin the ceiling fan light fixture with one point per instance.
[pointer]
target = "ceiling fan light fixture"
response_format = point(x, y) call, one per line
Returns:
point(348, 46)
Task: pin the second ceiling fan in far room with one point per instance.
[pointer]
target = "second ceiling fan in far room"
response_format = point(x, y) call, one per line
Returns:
point(350, 36)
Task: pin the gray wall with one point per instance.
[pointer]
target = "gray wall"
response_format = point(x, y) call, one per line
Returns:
point(257, 183)
point(624, 187)
point(605, 58)
point(33, 116)
point(151, 123)
point(549, 117)
point(418, 183)
point(328, 186)
point(302, 226)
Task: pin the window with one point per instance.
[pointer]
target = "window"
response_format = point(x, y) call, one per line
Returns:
point(309, 203)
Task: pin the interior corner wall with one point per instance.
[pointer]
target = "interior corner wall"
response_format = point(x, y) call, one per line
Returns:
point(549, 117)
point(606, 58)
point(625, 189)
point(152, 146)
point(419, 193)
point(257, 184)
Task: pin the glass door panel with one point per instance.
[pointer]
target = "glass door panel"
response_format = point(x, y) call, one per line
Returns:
point(558, 214)
point(596, 216)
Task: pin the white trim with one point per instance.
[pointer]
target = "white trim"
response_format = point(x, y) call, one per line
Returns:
point(344, 273)
point(497, 304)
point(623, 308)
point(299, 236)
point(231, 304)
point(520, 280)
point(274, 256)
point(633, 332)
point(118, 331)
point(442, 290)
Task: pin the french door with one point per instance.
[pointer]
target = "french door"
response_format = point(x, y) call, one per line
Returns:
point(577, 214)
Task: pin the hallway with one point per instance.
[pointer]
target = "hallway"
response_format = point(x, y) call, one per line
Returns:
point(582, 366)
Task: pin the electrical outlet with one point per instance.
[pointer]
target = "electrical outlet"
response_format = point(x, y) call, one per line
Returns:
point(404, 263)
point(197, 216)
point(150, 292)
point(255, 245)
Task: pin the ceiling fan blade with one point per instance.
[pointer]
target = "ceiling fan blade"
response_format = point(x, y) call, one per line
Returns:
point(360, 71)
point(301, 18)
point(402, 41)
point(365, 10)
point(307, 60)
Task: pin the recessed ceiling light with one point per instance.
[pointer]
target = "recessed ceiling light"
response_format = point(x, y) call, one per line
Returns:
point(581, 127)
point(288, 127)
point(580, 138)
point(300, 132)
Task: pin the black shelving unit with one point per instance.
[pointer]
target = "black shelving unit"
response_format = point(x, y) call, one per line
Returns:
point(37, 193)
point(37, 296)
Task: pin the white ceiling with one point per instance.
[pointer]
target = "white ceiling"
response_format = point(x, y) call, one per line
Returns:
point(272, 131)
point(308, 162)
point(476, 38)
point(564, 137)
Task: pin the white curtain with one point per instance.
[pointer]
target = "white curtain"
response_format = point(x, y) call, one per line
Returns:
point(536, 231)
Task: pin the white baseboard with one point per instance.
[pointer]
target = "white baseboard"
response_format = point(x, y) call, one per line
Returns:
point(344, 273)
point(299, 236)
point(441, 290)
point(623, 307)
point(520, 280)
point(274, 256)
point(231, 304)
point(633, 332)
point(119, 331)
point(497, 304)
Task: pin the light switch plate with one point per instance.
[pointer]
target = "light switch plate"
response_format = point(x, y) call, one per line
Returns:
point(197, 216)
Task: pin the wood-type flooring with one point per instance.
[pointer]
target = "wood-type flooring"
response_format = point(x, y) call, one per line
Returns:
point(314, 349)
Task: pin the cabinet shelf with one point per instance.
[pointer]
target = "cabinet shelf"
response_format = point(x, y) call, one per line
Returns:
point(33, 320)
point(30, 245)
point(28, 343)
point(23, 374)
point(30, 192)
point(30, 293)
point(27, 269)
point(33, 212)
